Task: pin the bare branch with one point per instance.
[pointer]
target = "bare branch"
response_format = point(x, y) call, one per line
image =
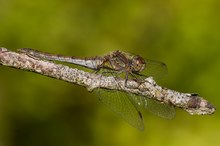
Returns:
point(192, 103)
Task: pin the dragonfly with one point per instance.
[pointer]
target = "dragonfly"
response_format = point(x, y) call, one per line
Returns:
point(127, 106)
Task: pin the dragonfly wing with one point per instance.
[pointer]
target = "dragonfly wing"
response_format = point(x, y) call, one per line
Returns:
point(120, 103)
point(154, 68)
point(162, 110)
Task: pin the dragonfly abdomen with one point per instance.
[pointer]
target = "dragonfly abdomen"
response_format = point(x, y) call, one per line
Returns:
point(94, 63)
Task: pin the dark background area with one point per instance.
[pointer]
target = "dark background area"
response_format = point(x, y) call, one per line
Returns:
point(37, 110)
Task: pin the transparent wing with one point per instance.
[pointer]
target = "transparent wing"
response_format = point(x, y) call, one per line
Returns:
point(154, 68)
point(120, 103)
point(162, 110)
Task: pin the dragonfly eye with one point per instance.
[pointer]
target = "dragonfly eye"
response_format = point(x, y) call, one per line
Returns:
point(138, 64)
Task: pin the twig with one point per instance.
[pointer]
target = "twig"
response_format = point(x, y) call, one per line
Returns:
point(192, 103)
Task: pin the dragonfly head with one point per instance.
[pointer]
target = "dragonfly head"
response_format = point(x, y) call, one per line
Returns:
point(138, 64)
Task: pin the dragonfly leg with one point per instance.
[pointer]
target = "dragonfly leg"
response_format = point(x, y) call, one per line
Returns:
point(135, 78)
point(96, 70)
point(126, 80)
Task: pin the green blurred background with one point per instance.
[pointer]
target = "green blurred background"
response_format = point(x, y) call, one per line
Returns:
point(39, 111)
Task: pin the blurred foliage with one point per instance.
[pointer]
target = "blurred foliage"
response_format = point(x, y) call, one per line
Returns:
point(37, 110)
